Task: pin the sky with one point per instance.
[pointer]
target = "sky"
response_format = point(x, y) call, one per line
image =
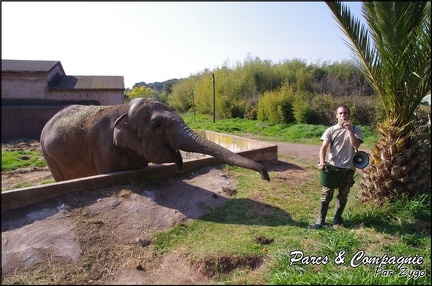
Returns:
point(157, 41)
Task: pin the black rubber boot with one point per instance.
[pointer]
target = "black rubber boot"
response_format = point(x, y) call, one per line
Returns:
point(323, 213)
point(337, 220)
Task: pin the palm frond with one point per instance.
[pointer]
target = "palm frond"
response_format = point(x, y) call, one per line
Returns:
point(393, 50)
point(358, 41)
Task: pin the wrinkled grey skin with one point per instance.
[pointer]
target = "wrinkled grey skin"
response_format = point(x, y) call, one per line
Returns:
point(82, 141)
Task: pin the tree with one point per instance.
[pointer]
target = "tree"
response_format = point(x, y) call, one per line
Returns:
point(167, 88)
point(141, 91)
point(393, 49)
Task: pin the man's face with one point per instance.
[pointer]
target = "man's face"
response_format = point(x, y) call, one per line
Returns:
point(342, 114)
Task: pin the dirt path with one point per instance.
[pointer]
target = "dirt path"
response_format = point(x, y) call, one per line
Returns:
point(302, 152)
point(60, 230)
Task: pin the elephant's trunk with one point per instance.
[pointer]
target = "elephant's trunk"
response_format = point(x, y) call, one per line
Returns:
point(187, 140)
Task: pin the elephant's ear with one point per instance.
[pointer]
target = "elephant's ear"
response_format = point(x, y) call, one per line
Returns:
point(123, 135)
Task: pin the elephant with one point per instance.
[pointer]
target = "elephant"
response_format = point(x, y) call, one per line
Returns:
point(83, 140)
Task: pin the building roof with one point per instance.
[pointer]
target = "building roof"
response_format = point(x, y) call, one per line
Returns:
point(61, 81)
point(26, 66)
point(87, 82)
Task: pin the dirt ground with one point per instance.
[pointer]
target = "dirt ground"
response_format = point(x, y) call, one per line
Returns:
point(61, 229)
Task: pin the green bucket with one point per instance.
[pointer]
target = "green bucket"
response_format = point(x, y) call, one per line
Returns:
point(332, 176)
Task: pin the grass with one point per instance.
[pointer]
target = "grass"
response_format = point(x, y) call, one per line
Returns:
point(299, 254)
point(296, 133)
point(227, 241)
point(12, 160)
point(16, 159)
point(284, 213)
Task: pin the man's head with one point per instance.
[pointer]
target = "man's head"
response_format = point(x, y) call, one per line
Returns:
point(342, 113)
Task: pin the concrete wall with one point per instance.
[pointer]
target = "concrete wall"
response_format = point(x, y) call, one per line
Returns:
point(37, 88)
point(26, 121)
point(23, 87)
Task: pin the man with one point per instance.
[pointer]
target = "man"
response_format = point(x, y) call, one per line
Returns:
point(343, 139)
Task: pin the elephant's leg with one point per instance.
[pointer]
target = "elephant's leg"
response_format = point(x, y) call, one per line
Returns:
point(55, 170)
point(112, 159)
point(105, 167)
point(64, 169)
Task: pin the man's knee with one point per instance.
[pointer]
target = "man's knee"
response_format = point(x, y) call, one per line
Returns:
point(327, 195)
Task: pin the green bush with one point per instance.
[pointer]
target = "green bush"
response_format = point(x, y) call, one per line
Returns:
point(277, 106)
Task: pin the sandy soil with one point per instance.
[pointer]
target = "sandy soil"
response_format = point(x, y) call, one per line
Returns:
point(59, 230)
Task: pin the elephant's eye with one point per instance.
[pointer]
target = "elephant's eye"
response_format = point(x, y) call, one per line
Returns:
point(157, 122)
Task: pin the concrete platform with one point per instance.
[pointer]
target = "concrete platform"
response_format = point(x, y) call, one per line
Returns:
point(249, 148)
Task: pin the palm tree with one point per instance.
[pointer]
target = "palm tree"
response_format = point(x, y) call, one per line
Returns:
point(393, 50)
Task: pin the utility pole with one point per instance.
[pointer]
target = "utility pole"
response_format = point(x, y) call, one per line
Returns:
point(214, 99)
point(193, 102)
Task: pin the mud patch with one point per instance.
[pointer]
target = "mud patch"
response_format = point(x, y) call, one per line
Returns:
point(104, 230)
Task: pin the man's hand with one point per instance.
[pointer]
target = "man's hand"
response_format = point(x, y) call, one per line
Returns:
point(347, 124)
